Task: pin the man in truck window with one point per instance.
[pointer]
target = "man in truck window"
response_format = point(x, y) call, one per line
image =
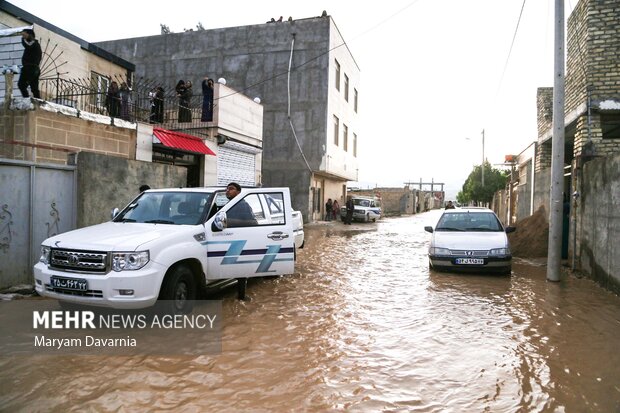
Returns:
point(240, 215)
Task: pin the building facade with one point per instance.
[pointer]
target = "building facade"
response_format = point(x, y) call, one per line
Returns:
point(310, 125)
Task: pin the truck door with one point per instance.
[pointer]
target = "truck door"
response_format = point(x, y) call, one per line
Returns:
point(259, 239)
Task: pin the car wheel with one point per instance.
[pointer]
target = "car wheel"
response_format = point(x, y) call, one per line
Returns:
point(179, 290)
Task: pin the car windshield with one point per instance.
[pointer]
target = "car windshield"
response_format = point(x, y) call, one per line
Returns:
point(173, 208)
point(361, 202)
point(469, 221)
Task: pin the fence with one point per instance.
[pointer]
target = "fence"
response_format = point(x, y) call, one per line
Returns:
point(139, 103)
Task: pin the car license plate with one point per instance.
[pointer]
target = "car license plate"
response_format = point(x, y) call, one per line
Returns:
point(470, 261)
point(74, 284)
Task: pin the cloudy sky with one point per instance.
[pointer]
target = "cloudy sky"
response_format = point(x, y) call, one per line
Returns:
point(434, 73)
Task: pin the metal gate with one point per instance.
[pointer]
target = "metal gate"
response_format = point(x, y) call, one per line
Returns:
point(36, 202)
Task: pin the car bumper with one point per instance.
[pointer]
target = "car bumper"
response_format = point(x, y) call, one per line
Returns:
point(490, 264)
point(104, 290)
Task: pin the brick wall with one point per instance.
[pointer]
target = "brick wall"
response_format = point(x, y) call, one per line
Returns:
point(593, 63)
point(593, 50)
point(544, 109)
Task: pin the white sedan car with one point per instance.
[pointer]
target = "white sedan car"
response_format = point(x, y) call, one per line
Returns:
point(470, 239)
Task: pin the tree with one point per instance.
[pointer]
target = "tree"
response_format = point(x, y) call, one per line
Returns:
point(473, 191)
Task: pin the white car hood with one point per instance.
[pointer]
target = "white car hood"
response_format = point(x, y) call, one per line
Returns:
point(470, 240)
point(112, 236)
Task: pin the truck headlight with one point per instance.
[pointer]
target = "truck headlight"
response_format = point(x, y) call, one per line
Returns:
point(122, 261)
point(500, 251)
point(439, 251)
point(45, 255)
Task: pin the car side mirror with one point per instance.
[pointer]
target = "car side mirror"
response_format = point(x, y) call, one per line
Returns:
point(510, 229)
point(428, 229)
point(220, 222)
point(115, 212)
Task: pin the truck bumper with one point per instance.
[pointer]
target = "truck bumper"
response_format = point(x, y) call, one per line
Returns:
point(111, 290)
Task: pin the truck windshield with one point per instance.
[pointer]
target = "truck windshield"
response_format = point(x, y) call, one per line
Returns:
point(173, 208)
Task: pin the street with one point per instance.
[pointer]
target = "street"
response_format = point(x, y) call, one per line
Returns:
point(364, 326)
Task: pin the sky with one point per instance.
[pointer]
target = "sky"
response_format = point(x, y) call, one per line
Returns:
point(434, 73)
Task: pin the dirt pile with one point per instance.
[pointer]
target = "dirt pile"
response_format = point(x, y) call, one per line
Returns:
point(531, 238)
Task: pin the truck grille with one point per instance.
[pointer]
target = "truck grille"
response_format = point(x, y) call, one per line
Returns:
point(79, 261)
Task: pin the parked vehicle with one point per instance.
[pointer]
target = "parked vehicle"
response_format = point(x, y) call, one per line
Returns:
point(298, 229)
point(470, 239)
point(169, 243)
point(365, 209)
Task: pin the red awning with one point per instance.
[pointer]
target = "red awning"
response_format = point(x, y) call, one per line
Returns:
point(181, 141)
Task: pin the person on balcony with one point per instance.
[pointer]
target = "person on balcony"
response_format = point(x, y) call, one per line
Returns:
point(157, 105)
point(125, 94)
point(113, 100)
point(30, 65)
point(185, 101)
point(207, 100)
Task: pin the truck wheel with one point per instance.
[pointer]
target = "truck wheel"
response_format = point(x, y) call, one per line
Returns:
point(179, 290)
point(242, 284)
point(367, 217)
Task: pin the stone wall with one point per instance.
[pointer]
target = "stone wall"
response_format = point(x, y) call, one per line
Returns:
point(48, 137)
point(106, 182)
point(599, 224)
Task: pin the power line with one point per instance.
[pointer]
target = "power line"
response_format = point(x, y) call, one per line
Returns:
point(501, 80)
point(344, 43)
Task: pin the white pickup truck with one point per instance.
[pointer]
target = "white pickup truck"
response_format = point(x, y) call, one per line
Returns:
point(167, 244)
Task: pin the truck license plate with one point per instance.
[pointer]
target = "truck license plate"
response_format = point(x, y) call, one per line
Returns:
point(74, 284)
point(470, 261)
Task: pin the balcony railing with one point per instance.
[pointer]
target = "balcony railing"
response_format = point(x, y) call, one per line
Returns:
point(138, 106)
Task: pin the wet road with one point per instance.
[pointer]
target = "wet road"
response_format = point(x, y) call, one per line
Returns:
point(364, 326)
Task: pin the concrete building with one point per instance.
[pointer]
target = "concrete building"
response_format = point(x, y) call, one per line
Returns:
point(314, 150)
point(64, 55)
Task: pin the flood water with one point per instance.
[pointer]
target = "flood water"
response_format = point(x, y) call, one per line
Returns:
point(364, 326)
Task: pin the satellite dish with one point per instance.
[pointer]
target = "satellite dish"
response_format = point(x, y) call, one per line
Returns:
point(257, 99)
point(221, 80)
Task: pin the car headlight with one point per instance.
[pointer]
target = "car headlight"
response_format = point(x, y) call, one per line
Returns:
point(439, 251)
point(122, 261)
point(500, 251)
point(45, 255)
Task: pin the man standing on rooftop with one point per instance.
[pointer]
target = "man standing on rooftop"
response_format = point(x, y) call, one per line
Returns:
point(30, 62)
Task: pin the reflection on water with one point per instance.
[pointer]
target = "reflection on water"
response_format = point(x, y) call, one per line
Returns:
point(364, 326)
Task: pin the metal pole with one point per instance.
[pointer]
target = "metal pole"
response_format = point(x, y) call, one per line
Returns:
point(554, 253)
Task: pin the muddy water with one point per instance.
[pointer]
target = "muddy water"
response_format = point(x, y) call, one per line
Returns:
point(364, 326)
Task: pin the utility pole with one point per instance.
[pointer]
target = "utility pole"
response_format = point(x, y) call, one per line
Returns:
point(554, 253)
point(482, 158)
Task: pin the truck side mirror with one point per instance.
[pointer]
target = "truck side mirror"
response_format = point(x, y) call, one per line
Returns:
point(510, 229)
point(115, 212)
point(428, 229)
point(220, 222)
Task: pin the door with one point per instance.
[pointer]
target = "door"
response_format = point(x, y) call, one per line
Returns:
point(259, 239)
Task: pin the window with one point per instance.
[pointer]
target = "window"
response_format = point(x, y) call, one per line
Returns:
point(336, 129)
point(337, 74)
point(345, 137)
point(257, 210)
point(355, 100)
point(355, 145)
point(346, 87)
point(610, 125)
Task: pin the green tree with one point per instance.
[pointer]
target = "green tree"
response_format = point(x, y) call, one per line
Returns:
point(473, 191)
